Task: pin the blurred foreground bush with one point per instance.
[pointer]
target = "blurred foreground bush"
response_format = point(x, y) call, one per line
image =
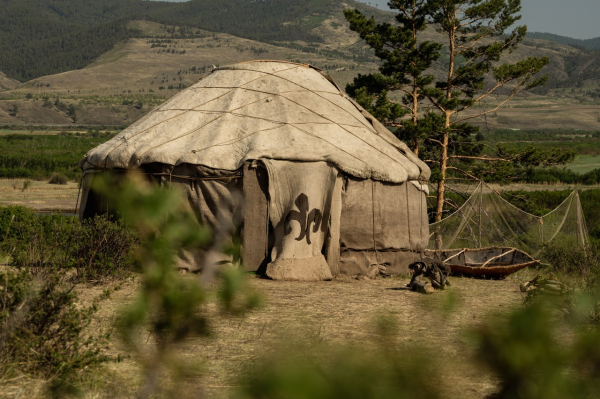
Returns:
point(43, 328)
point(536, 355)
point(171, 308)
point(378, 372)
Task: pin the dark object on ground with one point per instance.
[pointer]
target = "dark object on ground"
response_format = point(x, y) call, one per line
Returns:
point(58, 179)
point(492, 262)
point(435, 271)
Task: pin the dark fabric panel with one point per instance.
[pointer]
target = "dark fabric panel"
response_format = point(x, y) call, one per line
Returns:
point(424, 221)
point(255, 230)
point(391, 216)
point(214, 197)
point(356, 222)
point(394, 215)
point(382, 216)
point(332, 242)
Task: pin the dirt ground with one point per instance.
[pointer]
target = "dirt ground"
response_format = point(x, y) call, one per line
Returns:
point(339, 312)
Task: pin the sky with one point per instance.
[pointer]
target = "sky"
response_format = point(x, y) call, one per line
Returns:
point(573, 18)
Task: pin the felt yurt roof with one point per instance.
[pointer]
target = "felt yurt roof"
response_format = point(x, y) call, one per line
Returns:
point(262, 109)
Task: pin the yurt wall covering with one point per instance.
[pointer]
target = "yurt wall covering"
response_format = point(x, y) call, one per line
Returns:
point(326, 189)
point(384, 227)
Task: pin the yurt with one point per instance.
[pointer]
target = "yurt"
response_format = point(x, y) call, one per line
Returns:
point(325, 188)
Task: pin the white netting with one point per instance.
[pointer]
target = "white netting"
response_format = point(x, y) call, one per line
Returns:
point(486, 219)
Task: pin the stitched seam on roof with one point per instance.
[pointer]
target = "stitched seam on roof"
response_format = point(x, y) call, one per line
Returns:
point(272, 120)
point(299, 85)
point(321, 138)
point(324, 117)
point(369, 127)
point(277, 94)
point(238, 139)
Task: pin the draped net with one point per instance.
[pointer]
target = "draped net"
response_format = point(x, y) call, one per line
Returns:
point(486, 220)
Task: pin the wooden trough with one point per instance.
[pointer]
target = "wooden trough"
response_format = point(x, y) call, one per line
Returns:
point(494, 262)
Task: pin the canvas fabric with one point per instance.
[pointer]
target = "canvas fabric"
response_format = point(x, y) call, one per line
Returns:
point(262, 110)
point(213, 198)
point(383, 226)
point(299, 209)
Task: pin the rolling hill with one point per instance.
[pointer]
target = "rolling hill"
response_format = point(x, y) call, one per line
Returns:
point(7, 83)
point(132, 56)
point(42, 37)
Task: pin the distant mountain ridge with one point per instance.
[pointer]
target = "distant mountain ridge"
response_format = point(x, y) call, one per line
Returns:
point(42, 37)
point(48, 37)
point(590, 44)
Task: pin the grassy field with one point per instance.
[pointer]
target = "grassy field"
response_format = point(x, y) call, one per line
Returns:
point(39, 156)
point(585, 163)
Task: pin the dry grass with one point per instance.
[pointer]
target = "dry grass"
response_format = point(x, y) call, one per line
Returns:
point(341, 312)
point(40, 195)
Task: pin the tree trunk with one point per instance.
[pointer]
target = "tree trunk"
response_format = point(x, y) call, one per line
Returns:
point(415, 93)
point(447, 113)
point(415, 116)
point(442, 183)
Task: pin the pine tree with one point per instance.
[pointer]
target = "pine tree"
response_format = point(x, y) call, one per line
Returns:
point(467, 68)
point(472, 29)
point(405, 61)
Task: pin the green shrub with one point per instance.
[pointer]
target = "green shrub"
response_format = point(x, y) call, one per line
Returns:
point(102, 249)
point(97, 250)
point(15, 221)
point(42, 328)
point(581, 267)
point(58, 178)
point(565, 258)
